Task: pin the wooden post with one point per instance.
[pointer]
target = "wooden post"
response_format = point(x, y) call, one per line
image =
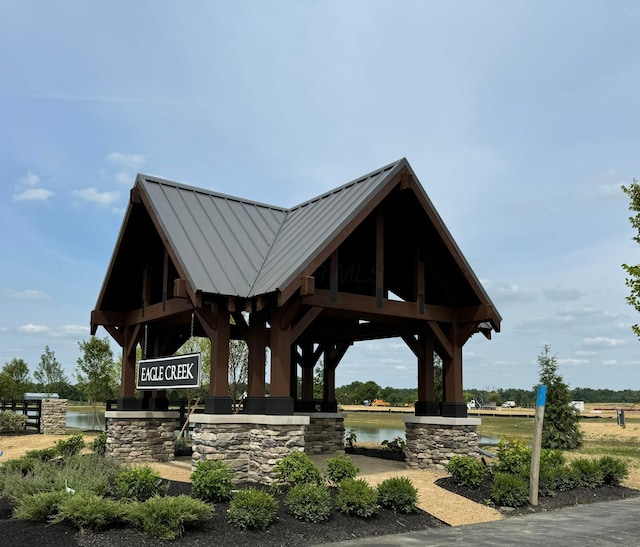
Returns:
point(536, 445)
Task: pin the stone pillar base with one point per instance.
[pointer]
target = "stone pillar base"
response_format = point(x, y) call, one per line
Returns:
point(141, 436)
point(325, 433)
point(249, 444)
point(53, 417)
point(433, 440)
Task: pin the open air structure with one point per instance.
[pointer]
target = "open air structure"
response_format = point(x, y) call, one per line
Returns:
point(368, 260)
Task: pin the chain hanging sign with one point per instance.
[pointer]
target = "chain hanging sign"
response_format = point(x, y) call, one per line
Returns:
point(176, 372)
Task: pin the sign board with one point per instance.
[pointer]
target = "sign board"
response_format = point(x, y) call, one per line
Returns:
point(175, 372)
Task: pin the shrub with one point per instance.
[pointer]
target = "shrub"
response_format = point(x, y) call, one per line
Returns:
point(252, 508)
point(167, 517)
point(181, 443)
point(90, 512)
point(91, 473)
point(40, 477)
point(309, 502)
point(12, 421)
point(70, 446)
point(552, 458)
point(296, 468)
point(588, 473)
point(212, 481)
point(356, 497)
point(40, 506)
point(614, 470)
point(564, 478)
point(398, 494)
point(42, 454)
point(350, 438)
point(514, 457)
point(397, 444)
point(509, 490)
point(466, 470)
point(139, 483)
point(99, 445)
point(339, 468)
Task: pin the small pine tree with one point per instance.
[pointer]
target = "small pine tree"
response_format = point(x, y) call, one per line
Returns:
point(561, 425)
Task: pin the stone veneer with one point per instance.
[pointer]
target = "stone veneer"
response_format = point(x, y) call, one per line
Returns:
point(325, 433)
point(433, 440)
point(53, 417)
point(141, 436)
point(249, 444)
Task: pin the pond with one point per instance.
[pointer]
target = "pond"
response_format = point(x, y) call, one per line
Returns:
point(84, 420)
point(373, 434)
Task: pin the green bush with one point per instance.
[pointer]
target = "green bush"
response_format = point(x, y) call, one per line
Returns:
point(514, 457)
point(139, 483)
point(350, 437)
point(296, 468)
point(467, 471)
point(99, 445)
point(509, 490)
point(12, 421)
point(212, 481)
point(614, 470)
point(70, 446)
point(167, 517)
point(42, 454)
point(339, 468)
point(398, 494)
point(253, 509)
point(564, 478)
point(309, 502)
point(40, 506)
point(356, 497)
point(40, 477)
point(91, 473)
point(552, 458)
point(588, 473)
point(90, 512)
point(397, 444)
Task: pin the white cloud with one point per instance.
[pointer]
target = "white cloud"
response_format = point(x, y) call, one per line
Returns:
point(610, 362)
point(502, 291)
point(573, 361)
point(99, 198)
point(603, 342)
point(72, 330)
point(559, 293)
point(30, 180)
point(30, 328)
point(125, 178)
point(27, 294)
point(586, 353)
point(28, 189)
point(130, 161)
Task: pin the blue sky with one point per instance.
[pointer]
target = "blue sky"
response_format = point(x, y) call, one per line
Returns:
point(521, 119)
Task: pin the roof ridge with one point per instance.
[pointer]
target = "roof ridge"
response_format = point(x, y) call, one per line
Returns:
point(208, 192)
point(358, 180)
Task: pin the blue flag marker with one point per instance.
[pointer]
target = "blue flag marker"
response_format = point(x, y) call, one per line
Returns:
point(542, 395)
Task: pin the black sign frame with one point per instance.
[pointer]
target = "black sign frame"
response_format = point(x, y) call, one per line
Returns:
point(174, 372)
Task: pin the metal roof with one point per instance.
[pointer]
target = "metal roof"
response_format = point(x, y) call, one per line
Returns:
point(235, 247)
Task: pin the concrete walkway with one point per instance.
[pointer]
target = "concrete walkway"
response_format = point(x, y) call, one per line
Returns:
point(598, 524)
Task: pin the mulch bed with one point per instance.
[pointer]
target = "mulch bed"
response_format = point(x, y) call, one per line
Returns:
point(381, 453)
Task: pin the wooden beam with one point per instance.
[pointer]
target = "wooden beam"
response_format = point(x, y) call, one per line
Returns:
point(333, 276)
point(443, 341)
point(280, 356)
point(307, 285)
point(115, 333)
point(420, 283)
point(256, 342)
point(180, 288)
point(414, 345)
point(241, 324)
point(216, 325)
point(309, 317)
point(426, 376)
point(104, 318)
point(380, 257)
point(158, 311)
point(165, 278)
point(288, 312)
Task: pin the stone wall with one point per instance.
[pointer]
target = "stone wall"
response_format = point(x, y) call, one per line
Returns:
point(249, 444)
point(432, 440)
point(141, 436)
point(53, 417)
point(325, 433)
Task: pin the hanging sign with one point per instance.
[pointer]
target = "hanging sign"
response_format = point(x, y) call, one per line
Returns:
point(175, 372)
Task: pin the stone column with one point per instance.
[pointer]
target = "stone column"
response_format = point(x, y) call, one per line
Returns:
point(325, 433)
point(433, 440)
point(53, 417)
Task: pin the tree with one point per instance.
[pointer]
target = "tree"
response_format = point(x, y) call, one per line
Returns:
point(97, 372)
point(633, 279)
point(49, 371)
point(238, 370)
point(14, 379)
point(561, 425)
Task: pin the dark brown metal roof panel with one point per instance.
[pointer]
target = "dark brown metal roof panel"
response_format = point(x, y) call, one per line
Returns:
point(221, 241)
point(312, 225)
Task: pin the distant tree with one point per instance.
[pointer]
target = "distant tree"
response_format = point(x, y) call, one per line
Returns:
point(318, 380)
point(49, 371)
point(238, 369)
point(14, 379)
point(561, 425)
point(347, 394)
point(367, 392)
point(97, 373)
point(633, 271)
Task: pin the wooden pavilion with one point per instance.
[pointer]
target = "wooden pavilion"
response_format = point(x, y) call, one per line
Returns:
point(371, 259)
